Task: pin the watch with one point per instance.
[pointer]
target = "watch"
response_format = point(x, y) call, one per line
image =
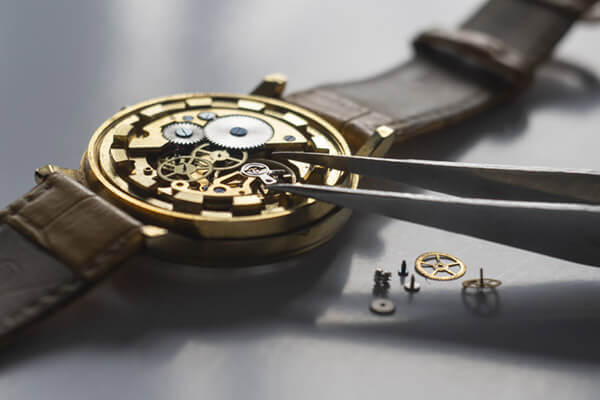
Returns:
point(185, 177)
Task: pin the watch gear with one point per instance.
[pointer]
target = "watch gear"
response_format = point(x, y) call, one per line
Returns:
point(481, 282)
point(183, 133)
point(440, 266)
point(184, 168)
point(221, 159)
point(239, 132)
point(382, 307)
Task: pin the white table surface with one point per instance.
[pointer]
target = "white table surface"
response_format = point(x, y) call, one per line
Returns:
point(160, 331)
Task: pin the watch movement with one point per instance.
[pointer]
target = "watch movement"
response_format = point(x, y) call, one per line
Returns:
point(199, 165)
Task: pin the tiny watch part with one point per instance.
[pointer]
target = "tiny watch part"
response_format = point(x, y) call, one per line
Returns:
point(381, 276)
point(412, 286)
point(440, 266)
point(183, 133)
point(487, 283)
point(199, 165)
point(221, 159)
point(239, 132)
point(184, 168)
point(482, 282)
point(259, 170)
point(381, 306)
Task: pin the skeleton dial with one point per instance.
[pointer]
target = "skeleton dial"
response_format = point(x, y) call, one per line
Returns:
point(183, 157)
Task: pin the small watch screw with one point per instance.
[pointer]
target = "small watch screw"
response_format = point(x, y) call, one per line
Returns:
point(403, 271)
point(238, 131)
point(412, 286)
point(207, 116)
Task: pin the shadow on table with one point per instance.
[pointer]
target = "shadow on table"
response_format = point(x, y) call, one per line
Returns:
point(557, 320)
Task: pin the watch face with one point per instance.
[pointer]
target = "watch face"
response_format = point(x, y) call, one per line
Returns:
point(200, 164)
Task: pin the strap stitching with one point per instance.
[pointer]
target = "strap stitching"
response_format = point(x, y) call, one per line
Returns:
point(425, 116)
point(105, 256)
point(62, 291)
point(47, 300)
point(443, 111)
point(15, 208)
point(28, 199)
point(58, 293)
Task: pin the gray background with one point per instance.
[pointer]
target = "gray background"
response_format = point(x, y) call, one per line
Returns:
point(157, 331)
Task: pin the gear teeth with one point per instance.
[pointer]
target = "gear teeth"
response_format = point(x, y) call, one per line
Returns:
point(169, 133)
point(254, 132)
point(235, 147)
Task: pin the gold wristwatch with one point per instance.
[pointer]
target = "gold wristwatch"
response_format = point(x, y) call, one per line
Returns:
point(185, 177)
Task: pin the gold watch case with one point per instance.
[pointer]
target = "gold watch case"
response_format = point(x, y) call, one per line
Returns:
point(192, 187)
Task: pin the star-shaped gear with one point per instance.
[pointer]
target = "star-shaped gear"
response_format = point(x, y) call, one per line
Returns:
point(440, 266)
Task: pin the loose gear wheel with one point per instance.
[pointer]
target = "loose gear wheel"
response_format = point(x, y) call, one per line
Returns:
point(440, 266)
point(238, 132)
point(485, 283)
point(183, 133)
point(184, 168)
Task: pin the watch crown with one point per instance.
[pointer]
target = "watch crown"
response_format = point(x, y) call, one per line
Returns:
point(43, 172)
point(272, 85)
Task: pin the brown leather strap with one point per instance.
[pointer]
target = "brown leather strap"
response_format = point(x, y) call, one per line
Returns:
point(577, 7)
point(481, 49)
point(530, 27)
point(56, 242)
point(592, 14)
point(438, 87)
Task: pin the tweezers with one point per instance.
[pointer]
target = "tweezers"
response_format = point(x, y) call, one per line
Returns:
point(550, 211)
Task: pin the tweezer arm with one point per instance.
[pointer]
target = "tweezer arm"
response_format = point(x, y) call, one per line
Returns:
point(469, 180)
point(568, 231)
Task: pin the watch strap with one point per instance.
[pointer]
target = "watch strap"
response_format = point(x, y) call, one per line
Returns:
point(55, 242)
point(454, 74)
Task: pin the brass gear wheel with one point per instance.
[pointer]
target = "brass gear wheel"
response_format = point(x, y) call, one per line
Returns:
point(221, 160)
point(440, 266)
point(184, 168)
point(183, 133)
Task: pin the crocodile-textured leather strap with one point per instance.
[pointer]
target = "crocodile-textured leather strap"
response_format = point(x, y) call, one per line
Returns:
point(56, 242)
point(450, 78)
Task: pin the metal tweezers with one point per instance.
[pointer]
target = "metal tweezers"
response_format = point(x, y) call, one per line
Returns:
point(550, 211)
